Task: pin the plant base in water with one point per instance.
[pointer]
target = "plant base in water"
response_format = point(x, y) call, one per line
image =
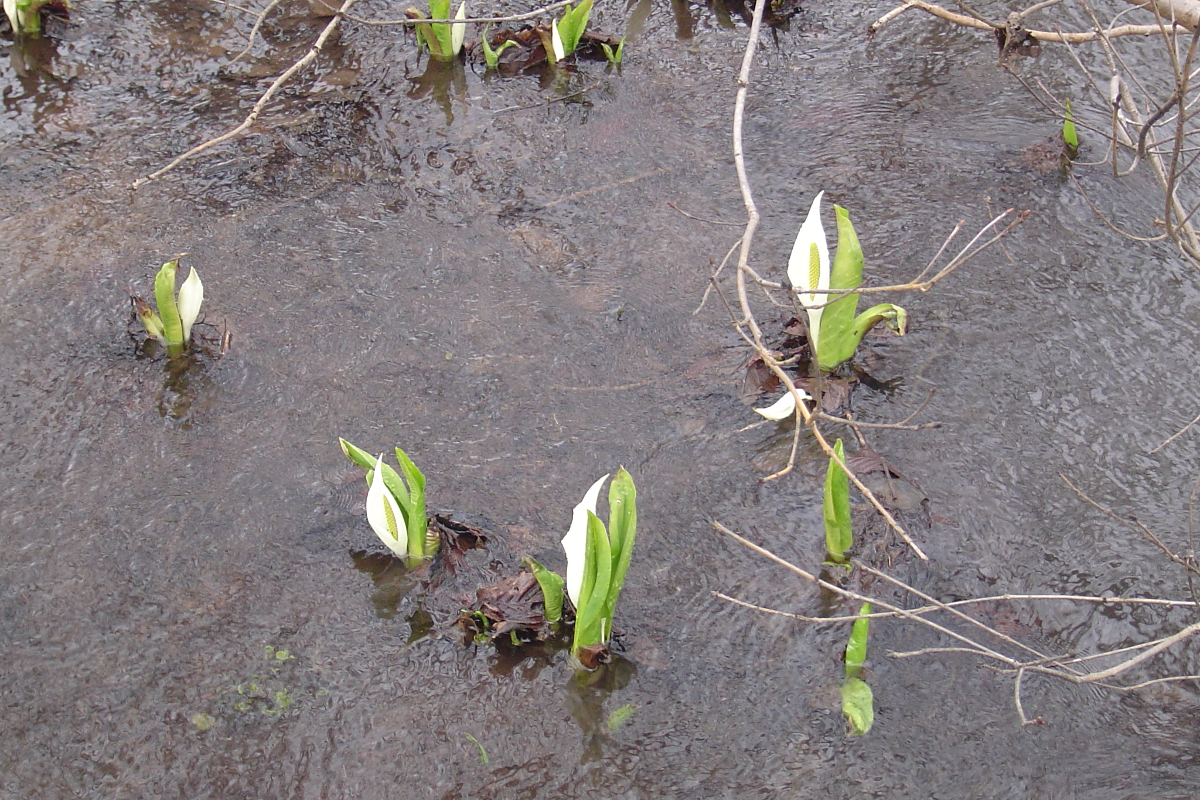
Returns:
point(512, 608)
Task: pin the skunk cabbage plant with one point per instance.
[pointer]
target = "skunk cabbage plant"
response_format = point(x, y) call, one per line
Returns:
point(176, 313)
point(858, 702)
point(395, 504)
point(25, 16)
point(444, 39)
point(566, 32)
point(597, 559)
point(834, 329)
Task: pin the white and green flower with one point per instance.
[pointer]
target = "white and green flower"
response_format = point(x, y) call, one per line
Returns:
point(176, 313)
point(808, 269)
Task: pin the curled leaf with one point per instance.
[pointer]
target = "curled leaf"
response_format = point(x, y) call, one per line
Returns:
point(858, 705)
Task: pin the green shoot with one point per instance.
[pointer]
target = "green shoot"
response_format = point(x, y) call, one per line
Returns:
point(614, 56)
point(841, 330)
point(483, 756)
point(858, 702)
point(839, 534)
point(492, 55)
point(551, 584)
point(1069, 134)
point(443, 39)
point(25, 16)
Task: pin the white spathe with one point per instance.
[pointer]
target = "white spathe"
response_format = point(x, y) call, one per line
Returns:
point(384, 514)
point(191, 296)
point(559, 54)
point(15, 17)
point(457, 32)
point(784, 407)
point(808, 269)
point(574, 544)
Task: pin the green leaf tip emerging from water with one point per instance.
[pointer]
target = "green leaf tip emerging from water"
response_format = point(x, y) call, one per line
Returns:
point(839, 534)
point(1069, 134)
point(614, 56)
point(858, 705)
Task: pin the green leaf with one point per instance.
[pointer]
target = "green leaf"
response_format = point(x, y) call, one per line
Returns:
point(858, 704)
point(440, 9)
point(357, 455)
point(150, 320)
point(164, 297)
point(843, 347)
point(845, 273)
point(856, 648)
point(622, 530)
point(551, 584)
point(415, 514)
point(597, 572)
point(1069, 134)
point(839, 534)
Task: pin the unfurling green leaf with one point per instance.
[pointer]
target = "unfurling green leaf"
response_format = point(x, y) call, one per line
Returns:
point(840, 330)
point(858, 704)
point(839, 533)
point(856, 648)
point(597, 573)
point(150, 319)
point(551, 584)
point(622, 529)
point(845, 273)
point(444, 39)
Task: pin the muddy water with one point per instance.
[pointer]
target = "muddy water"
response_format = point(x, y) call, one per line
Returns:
point(503, 287)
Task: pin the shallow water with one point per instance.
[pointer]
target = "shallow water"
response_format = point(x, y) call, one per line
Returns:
point(500, 286)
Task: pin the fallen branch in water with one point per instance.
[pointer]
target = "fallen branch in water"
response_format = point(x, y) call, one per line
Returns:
point(275, 86)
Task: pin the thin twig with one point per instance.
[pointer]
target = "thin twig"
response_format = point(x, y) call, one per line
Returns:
point(275, 86)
